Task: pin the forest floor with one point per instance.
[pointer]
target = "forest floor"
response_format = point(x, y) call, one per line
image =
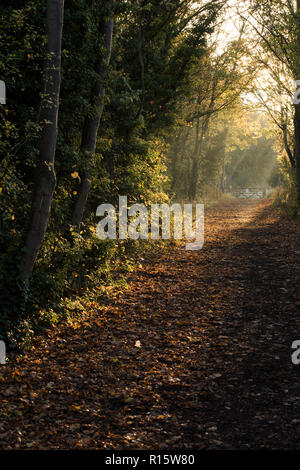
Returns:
point(194, 353)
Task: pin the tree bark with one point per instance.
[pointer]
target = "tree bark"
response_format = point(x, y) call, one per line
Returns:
point(297, 106)
point(287, 147)
point(91, 124)
point(199, 141)
point(195, 163)
point(297, 147)
point(45, 174)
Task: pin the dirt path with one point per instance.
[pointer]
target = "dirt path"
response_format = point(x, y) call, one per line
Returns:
point(195, 353)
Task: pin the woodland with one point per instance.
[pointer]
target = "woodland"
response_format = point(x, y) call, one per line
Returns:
point(111, 344)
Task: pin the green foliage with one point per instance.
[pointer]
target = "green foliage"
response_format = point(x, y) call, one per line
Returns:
point(285, 196)
point(155, 45)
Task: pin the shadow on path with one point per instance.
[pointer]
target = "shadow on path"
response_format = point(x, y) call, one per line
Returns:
point(194, 354)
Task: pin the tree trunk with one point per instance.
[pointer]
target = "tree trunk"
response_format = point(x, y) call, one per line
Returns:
point(195, 164)
point(45, 175)
point(91, 124)
point(297, 146)
point(297, 106)
point(199, 142)
point(196, 157)
point(287, 147)
point(182, 137)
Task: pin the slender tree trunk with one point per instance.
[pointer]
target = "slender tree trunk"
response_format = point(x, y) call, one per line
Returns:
point(199, 142)
point(196, 156)
point(91, 124)
point(287, 147)
point(177, 156)
point(142, 63)
point(297, 106)
point(297, 146)
point(223, 180)
point(195, 164)
point(45, 176)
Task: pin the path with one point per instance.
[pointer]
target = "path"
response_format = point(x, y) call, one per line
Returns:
point(196, 353)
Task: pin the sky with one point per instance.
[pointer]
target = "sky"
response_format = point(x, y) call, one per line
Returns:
point(229, 27)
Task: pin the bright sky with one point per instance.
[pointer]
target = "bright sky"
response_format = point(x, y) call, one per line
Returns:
point(229, 26)
point(229, 30)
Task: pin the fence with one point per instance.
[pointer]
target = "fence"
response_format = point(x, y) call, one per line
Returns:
point(249, 193)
